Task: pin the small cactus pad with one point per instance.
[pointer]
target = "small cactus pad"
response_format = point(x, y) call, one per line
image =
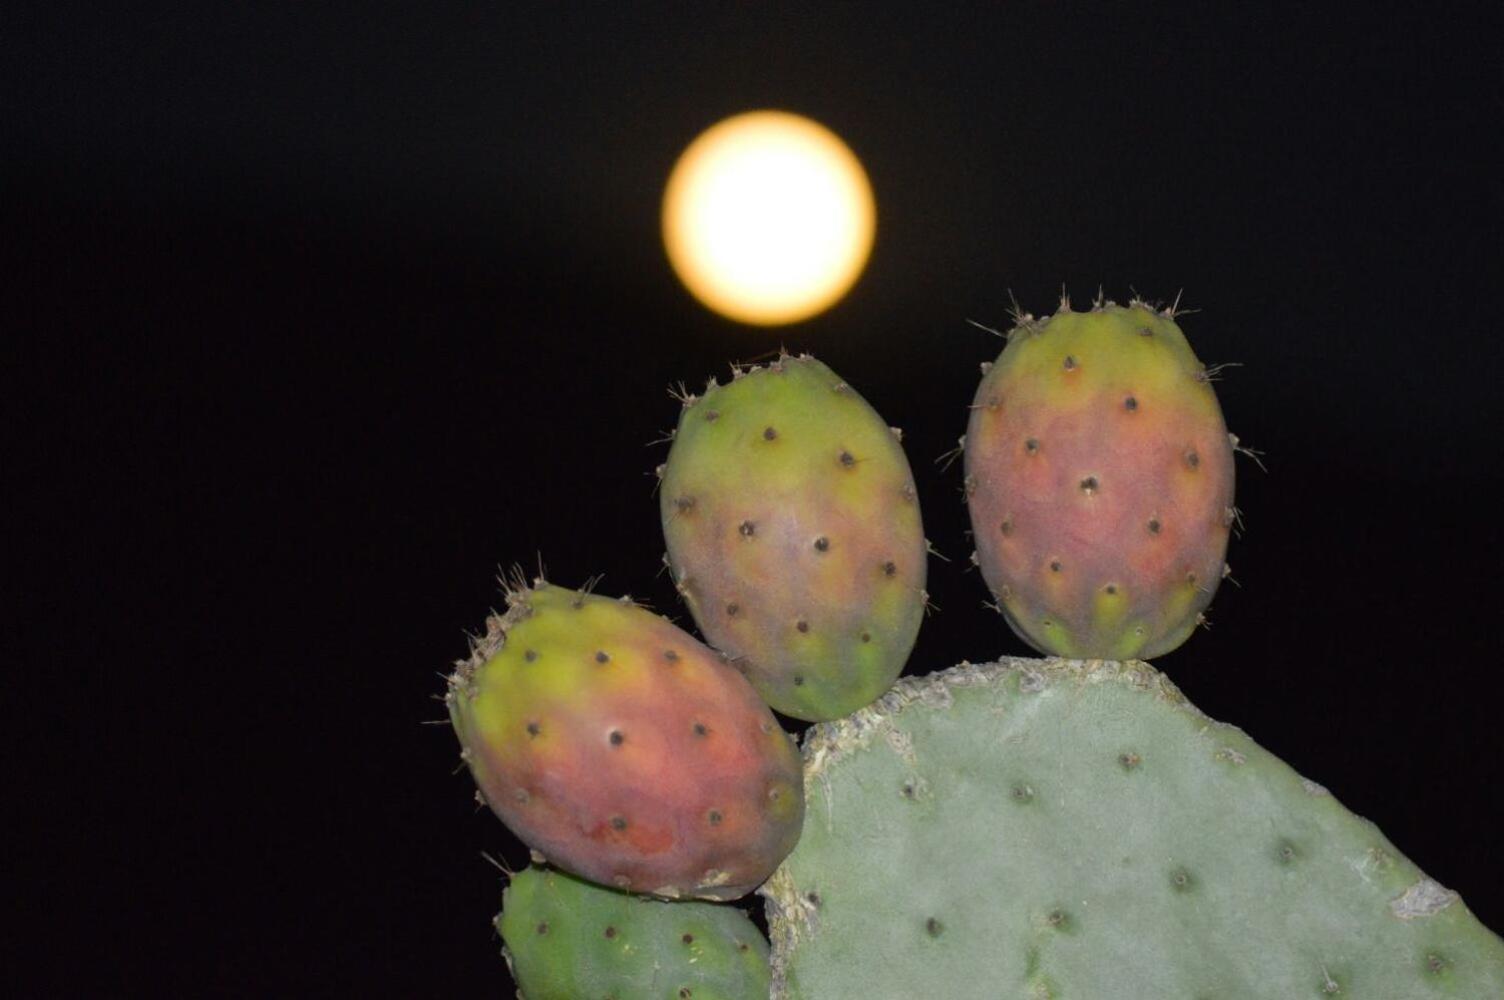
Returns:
point(1099, 477)
point(623, 749)
point(794, 536)
point(566, 939)
point(1078, 829)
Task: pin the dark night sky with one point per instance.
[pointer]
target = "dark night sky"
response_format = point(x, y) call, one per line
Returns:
point(324, 316)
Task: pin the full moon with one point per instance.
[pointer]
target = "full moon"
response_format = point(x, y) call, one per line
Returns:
point(768, 218)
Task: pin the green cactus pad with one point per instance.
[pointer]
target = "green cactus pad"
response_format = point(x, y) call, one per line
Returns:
point(1078, 829)
point(571, 940)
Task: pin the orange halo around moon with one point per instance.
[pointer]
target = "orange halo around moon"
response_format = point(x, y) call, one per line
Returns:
point(768, 218)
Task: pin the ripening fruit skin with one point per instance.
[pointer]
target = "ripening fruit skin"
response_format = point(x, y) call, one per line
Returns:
point(794, 536)
point(566, 939)
point(623, 750)
point(1099, 477)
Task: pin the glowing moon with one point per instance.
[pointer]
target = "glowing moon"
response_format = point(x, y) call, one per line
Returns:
point(768, 218)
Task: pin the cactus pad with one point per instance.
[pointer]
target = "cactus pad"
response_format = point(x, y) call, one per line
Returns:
point(1073, 829)
point(570, 940)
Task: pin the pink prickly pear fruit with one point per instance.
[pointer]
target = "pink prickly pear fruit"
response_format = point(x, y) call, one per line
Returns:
point(1099, 476)
point(623, 749)
point(794, 536)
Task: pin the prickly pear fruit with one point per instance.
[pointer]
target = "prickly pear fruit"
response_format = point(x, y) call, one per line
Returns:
point(794, 536)
point(567, 939)
point(1099, 475)
point(624, 750)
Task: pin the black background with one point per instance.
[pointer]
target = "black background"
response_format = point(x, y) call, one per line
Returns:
point(319, 318)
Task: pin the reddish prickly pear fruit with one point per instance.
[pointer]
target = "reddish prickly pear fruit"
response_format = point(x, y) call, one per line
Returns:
point(794, 536)
point(1099, 475)
point(623, 749)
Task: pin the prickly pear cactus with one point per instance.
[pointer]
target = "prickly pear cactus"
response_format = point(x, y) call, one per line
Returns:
point(1099, 475)
point(1078, 829)
point(566, 939)
point(794, 536)
point(623, 749)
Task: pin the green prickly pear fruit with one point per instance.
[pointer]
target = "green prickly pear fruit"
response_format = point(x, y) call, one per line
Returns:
point(1102, 838)
point(794, 536)
point(1099, 477)
point(624, 750)
point(566, 939)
